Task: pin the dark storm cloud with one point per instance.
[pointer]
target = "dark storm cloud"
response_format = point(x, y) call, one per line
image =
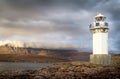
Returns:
point(39, 10)
point(33, 8)
point(23, 4)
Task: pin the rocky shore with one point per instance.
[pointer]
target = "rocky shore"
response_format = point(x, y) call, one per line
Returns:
point(68, 70)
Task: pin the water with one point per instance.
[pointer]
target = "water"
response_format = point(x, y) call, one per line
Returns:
point(22, 66)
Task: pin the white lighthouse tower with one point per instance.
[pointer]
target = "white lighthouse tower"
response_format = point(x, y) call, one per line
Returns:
point(99, 29)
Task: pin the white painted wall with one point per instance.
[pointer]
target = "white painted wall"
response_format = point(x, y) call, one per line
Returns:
point(100, 43)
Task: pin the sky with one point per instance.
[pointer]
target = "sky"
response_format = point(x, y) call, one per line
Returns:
point(58, 22)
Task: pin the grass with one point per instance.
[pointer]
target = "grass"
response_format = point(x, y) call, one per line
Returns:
point(116, 61)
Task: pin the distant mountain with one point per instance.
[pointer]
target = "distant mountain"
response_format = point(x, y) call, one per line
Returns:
point(13, 50)
point(68, 54)
point(14, 43)
point(21, 44)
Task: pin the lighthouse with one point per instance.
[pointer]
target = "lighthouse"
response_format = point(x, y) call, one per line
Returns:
point(99, 29)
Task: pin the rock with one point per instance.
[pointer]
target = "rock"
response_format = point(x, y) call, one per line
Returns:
point(39, 77)
point(65, 71)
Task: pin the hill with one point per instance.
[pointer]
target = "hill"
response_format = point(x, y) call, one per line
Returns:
point(8, 53)
point(66, 54)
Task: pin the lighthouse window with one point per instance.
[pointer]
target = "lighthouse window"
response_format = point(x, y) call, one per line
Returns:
point(97, 24)
point(106, 24)
point(90, 26)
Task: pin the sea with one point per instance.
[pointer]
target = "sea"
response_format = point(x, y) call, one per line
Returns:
point(22, 66)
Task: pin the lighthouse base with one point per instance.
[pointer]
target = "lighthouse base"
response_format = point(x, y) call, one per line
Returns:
point(104, 59)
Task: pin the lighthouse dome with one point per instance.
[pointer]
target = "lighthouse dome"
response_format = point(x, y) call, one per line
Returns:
point(99, 15)
point(100, 18)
